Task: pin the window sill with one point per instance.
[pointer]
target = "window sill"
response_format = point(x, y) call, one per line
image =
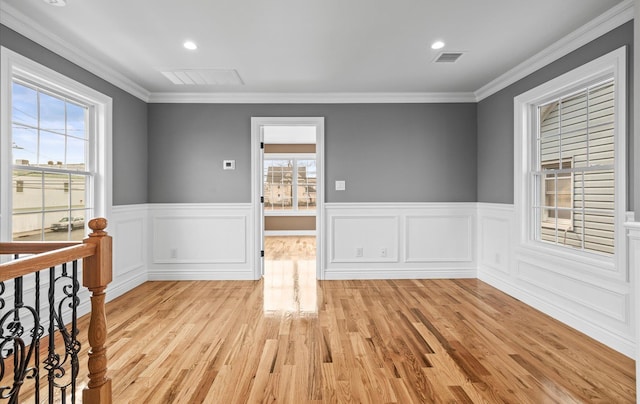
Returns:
point(558, 252)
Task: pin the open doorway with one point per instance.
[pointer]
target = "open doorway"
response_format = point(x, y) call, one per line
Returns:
point(288, 197)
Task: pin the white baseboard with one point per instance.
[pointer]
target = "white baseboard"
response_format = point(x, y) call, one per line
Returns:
point(184, 274)
point(394, 273)
point(615, 341)
point(122, 286)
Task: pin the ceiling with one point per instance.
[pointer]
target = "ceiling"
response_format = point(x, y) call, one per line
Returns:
point(316, 48)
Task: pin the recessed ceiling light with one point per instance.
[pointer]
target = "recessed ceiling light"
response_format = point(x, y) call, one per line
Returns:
point(437, 45)
point(59, 3)
point(190, 45)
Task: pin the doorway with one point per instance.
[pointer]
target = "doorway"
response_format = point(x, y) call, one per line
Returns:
point(287, 177)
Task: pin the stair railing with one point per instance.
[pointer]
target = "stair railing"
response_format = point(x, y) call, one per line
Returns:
point(22, 329)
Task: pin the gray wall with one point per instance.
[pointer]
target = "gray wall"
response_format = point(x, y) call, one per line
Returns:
point(385, 152)
point(495, 117)
point(129, 119)
point(636, 114)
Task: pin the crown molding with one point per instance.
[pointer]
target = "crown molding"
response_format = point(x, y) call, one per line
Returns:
point(610, 19)
point(29, 28)
point(311, 98)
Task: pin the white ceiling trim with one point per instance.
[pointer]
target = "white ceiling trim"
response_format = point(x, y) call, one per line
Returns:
point(26, 26)
point(310, 98)
point(599, 26)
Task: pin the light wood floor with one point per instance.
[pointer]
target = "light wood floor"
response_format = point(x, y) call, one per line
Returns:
point(396, 341)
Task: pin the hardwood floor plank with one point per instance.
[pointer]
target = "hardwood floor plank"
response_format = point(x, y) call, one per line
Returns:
point(264, 371)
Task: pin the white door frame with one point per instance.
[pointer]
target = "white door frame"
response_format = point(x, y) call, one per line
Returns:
point(256, 180)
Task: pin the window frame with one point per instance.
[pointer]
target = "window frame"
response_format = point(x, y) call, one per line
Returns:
point(611, 65)
point(13, 65)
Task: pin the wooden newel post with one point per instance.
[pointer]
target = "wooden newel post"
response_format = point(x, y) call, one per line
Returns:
point(96, 275)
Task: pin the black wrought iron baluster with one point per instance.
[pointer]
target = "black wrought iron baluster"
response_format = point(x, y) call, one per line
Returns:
point(62, 328)
point(12, 342)
point(2, 366)
point(18, 329)
point(36, 340)
point(70, 338)
point(5, 348)
point(52, 361)
point(36, 333)
point(75, 347)
point(2, 289)
point(63, 371)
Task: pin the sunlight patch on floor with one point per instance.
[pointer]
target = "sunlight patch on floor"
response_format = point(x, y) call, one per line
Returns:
point(290, 275)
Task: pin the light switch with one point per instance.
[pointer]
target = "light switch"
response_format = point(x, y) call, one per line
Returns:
point(340, 185)
point(228, 164)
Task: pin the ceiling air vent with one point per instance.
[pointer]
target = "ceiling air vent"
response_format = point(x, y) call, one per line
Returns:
point(448, 57)
point(203, 77)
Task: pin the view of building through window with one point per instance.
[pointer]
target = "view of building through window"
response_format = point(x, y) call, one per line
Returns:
point(575, 170)
point(289, 184)
point(51, 174)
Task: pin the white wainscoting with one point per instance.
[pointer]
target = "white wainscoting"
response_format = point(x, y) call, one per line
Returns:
point(201, 242)
point(399, 240)
point(128, 225)
point(633, 230)
point(578, 294)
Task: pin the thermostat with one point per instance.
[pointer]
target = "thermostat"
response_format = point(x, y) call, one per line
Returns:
point(229, 164)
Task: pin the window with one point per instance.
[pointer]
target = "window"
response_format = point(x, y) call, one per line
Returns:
point(570, 187)
point(289, 184)
point(50, 150)
point(575, 172)
point(58, 138)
